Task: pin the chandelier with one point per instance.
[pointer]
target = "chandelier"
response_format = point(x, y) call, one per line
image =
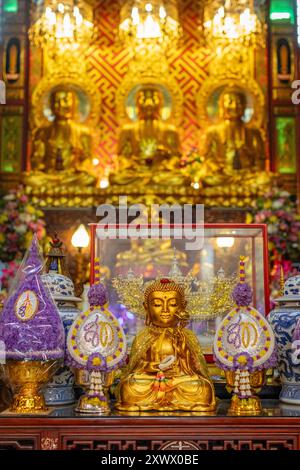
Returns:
point(232, 21)
point(149, 24)
point(62, 26)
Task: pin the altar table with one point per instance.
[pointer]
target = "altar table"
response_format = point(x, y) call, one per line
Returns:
point(277, 429)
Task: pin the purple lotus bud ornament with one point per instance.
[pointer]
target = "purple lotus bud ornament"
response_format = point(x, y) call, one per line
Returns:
point(97, 295)
point(33, 334)
point(242, 293)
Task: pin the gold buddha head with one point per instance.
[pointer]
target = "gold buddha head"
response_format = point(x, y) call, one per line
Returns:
point(149, 101)
point(164, 302)
point(232, 104)
point(63, 103)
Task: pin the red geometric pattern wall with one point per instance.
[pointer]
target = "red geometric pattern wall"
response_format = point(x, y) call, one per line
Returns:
point(108, 63)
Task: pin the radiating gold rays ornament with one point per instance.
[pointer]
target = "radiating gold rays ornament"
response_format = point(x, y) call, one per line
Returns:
point(205, 298)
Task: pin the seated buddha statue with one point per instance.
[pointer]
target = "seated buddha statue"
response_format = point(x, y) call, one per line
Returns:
point(149, 251)
point(62, 149)
point(166, 369)
point(149, 148)
point(232, 151)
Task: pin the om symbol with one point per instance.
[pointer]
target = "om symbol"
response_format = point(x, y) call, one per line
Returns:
point(91, 335)
point(248, 333)
point(99, 333)
point(106, 334)
point(242, 333)
point(234, 334)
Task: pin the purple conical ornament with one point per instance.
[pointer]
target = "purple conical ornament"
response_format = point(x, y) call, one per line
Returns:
point(30, 325)
point(32, 334)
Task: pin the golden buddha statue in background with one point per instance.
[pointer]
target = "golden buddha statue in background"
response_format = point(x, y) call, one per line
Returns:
point(149, 251)
point(232, 151)
point(62, 150)
point(148, 149)
point(166, 369)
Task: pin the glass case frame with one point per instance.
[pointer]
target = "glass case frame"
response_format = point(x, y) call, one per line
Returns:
point(251, 232)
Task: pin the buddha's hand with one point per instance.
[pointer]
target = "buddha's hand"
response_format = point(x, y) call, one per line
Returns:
point(180, 341)
point(167, 362)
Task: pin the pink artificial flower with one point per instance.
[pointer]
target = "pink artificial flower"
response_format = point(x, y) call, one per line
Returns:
point(11, 205)
point(41, 222)
point(13, 215)
point(33, 226)
point(259, 218)
point(12, 236)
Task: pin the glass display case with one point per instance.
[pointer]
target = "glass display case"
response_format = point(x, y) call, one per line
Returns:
point(216, 259)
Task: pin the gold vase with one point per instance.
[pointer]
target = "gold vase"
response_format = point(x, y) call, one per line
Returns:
point(27, 379)
point(250, 406)
point(82, 378)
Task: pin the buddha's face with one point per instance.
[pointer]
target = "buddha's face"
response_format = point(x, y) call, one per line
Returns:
point(233, 104)
point(63, 104)
point(163, 307)
point(148, 104)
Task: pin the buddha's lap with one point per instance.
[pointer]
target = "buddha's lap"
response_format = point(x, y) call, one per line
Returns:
point(189, 384)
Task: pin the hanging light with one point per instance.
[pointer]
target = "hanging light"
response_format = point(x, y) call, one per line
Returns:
point(149, 24)
point(61, 26)
point(232, 21)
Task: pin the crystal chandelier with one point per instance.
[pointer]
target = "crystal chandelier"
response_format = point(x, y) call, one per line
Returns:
point(62, 26)
point(149, 24)
point(232, 21)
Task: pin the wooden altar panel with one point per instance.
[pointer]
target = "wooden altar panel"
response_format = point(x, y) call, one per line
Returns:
point(186, 433)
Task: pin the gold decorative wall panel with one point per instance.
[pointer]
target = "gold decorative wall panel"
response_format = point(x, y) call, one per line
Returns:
point(189, 73)
point(109, 63)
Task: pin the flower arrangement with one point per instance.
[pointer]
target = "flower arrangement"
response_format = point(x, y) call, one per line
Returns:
point(19, 220)
point(278, 210)
point(8, 274)
point(193, 166)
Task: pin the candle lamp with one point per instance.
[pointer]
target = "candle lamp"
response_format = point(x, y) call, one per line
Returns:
point(80, 240)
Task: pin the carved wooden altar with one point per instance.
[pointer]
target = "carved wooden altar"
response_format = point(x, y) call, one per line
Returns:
point(278, 429)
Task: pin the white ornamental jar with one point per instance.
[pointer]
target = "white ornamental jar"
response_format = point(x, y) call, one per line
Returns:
point(283, 319)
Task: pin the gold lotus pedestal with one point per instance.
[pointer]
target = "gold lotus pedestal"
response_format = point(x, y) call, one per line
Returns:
point(27, 379)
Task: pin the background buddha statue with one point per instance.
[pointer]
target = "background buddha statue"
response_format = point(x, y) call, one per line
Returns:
point(166, 369)
point(149, 252)
point(62, 149)
point(148, 146)
point(232, 148)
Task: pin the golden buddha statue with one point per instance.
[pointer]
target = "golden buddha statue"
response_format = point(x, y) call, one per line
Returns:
point(232, 151)
point(149, 148)
point(166, 369)
point(149, 251)
point(61, 150)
